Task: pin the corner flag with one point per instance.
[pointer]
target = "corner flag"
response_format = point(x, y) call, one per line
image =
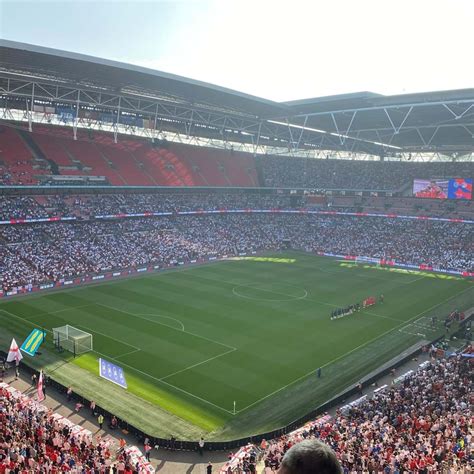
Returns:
point(14, 353)
point(40, 387)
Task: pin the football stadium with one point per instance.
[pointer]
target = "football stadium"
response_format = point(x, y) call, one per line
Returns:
point(186, 268)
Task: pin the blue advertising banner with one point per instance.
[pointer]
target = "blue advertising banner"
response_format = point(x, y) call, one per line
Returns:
point(112, 372)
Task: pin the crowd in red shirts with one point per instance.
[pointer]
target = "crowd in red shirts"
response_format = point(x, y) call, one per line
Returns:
point(423, 425)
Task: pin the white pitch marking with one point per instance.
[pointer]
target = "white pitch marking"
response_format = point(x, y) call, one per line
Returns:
point(127, 353)
point(415, 279)
point(161, 316)
point(199, 363)
point(370, 313)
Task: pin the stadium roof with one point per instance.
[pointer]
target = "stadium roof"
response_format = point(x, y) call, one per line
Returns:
point(361, 122)
point(89, 70)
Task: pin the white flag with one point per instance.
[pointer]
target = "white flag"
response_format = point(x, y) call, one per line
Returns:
point(40, 387)
point(14, 353)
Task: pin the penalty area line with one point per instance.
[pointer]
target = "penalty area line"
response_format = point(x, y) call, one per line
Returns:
point(127, 353)
point(199, 363)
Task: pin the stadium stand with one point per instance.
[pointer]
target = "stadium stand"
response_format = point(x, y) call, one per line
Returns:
point(50, 152)
point(406, 206)
point(420, 424)
point(346, 174)
point(50, 252)
point(350, 209)
point(43, 206)
point(17, 165)
point(89, 205)
point(35, 439)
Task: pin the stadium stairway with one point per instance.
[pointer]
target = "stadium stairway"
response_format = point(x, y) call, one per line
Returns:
point(125, 166)
point(204, 180)
point(143, 169)
point(55, 149)
point(224, 173)
point(36, 151)
point(259, 169)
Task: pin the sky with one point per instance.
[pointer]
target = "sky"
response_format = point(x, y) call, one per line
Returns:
point(279, 50)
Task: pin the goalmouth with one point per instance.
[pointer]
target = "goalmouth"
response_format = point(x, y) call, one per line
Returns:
point(72, 339)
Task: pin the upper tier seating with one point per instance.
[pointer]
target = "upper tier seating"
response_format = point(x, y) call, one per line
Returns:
point(138, 162)
point(130, 161)
point(17, 165)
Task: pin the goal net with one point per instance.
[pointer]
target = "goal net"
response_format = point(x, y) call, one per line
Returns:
point(72, 339)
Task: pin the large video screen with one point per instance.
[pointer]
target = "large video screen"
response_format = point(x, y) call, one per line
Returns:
point(455, 188)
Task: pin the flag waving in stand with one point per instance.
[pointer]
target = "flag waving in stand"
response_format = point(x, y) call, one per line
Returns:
point(14, 353)
point(40, 387)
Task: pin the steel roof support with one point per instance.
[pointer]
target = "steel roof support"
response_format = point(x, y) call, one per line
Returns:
point(258, 138)
point(389, 107)
point(397, 129)
point(455, 115)
point(115, 125)
point(341, 134)
point(301, 133)
point(29, 110)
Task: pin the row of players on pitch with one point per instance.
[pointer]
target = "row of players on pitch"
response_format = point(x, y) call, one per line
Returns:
point(341, 312)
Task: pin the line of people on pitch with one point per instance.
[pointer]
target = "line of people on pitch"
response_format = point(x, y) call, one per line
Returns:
point(348, 310)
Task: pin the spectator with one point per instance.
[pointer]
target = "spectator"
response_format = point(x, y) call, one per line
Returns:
point(310, 457)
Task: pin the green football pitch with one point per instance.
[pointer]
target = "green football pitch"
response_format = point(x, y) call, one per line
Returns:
point(253, 331)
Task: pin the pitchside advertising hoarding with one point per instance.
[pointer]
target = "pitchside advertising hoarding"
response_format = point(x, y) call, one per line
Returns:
point(112, 372)
point(455, 188)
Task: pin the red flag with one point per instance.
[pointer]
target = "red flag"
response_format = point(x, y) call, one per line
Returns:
point(40, 387)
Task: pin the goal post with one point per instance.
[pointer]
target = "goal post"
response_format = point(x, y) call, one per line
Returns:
point(72, 339)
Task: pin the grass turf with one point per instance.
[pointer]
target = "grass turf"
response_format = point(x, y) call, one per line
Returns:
point(253, 331)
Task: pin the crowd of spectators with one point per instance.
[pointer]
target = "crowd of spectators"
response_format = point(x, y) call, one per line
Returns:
point(21, 207)
point(355, 174)
point(422, 425)
point(86, 206)
point(93, 205)
point(35, 439)
point(36, 253)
